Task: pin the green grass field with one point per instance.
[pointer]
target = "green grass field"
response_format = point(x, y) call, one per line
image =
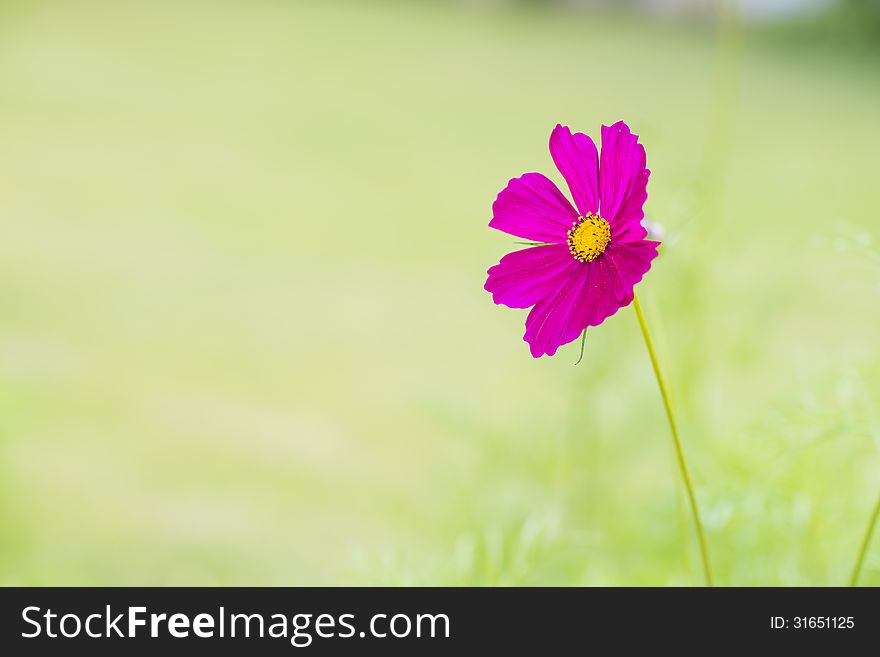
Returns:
point(243, 335)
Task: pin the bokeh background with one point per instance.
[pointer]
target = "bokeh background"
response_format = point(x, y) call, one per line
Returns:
point(243, 335)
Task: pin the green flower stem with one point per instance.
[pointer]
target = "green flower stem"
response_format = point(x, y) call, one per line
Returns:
point(866, 541)
point(679, 452)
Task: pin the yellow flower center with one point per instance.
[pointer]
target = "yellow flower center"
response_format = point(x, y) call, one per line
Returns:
point(588, 237)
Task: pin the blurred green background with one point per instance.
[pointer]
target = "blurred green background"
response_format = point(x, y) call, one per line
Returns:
point(243, 335)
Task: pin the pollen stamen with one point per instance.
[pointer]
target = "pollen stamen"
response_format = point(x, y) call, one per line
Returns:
point(588, 237)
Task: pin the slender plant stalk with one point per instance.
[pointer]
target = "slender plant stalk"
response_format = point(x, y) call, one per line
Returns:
point(679, 452)
point(853, 580)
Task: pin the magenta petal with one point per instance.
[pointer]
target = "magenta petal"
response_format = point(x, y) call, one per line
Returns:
point(628, 263)
point(622, 292)
point(576, 158)
point(623, 180)
point(554, 321)
point(523, 278)
point(598, 298)
point(533, 208)
point(590, 294)
point(628, 223)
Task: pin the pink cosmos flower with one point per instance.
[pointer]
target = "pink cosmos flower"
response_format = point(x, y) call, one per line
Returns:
point(586, 261)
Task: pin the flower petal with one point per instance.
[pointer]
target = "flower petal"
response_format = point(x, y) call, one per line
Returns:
point(599, 297)
point(553, 321)
point(587, 295)
point(622, 292)
point(533, 208)
point(628, 263)
point(623, 180)
point(628, 223)
point(576, 158)
point(523, 278)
